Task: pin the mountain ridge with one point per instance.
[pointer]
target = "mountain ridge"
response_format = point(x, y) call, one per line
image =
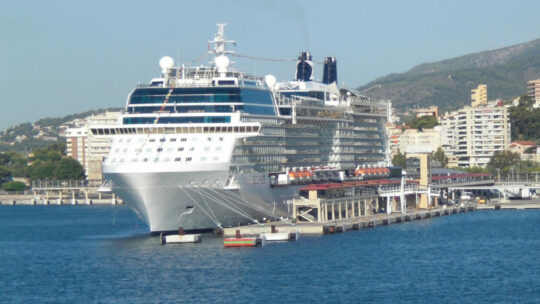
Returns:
point(447, 83)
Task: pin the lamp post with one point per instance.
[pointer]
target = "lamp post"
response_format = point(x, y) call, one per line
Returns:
point(512, 168)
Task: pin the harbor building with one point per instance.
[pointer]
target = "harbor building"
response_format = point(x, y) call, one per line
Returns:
point(533, 90)
point(475, 133)
point(479, 96)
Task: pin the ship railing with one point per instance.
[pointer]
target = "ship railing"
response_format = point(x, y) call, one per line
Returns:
point(367, 101)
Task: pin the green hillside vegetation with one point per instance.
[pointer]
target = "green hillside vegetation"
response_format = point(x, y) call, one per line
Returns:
point(447, 83)
point(48, 126)
point(45, 163)
point(52, 163)
point(424, 122)
point(525, 121)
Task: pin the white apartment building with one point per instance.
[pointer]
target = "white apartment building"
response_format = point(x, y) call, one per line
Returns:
point(86, 148)
point(475, 133)
point(533, 90)
point(413, 138)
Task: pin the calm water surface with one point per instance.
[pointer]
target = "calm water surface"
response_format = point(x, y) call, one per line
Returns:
point(103, 254)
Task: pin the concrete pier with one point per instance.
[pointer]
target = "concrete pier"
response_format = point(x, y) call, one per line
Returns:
point(519, 205)
point(346, 224)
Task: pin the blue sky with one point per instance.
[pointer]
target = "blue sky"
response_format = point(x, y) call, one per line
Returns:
point(62, 57)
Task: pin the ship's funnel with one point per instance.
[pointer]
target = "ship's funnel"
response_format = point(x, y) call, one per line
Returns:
point(304, 67)
point(330, 70)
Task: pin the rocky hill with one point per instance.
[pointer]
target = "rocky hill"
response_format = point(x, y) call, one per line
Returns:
point(448, 83)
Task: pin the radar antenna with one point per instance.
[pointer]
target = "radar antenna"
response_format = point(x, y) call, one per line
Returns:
point(220, 42)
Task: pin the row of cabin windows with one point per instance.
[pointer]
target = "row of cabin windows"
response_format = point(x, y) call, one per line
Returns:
point(166, 159)
point(161, 129)
point(183, 139)
point(170, 149)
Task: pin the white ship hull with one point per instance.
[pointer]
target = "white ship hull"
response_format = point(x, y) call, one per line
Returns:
point(169, 200)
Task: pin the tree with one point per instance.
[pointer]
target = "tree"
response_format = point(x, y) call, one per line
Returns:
point(15, 162)
point(46, 154)
point(58, 147)
point(14, 186)
point(525, 101)
point(530, 150)
point(399, 160)
point(475, 170)
point(41, 170)
point(440, 156)
point(503, 161)
point(424, 122)
point(525, 120)
point(68, 168)
point(5, 174)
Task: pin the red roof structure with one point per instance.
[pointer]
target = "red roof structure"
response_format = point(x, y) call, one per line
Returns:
point(371, 182)
point(523, 143)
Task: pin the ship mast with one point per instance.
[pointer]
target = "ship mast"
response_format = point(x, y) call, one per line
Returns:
point(220, 42)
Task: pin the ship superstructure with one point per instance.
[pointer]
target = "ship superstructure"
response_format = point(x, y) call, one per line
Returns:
point(210, 146)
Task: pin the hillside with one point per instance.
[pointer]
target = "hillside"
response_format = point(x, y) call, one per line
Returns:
point(28, 136)
point(448, 83)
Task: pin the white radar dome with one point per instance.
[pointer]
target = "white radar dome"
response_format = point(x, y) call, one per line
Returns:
point(270, 80)
point(222, 63)
point(165, 63)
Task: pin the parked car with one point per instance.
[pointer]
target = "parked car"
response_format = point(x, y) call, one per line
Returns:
point(447, 202)
point(466, 196)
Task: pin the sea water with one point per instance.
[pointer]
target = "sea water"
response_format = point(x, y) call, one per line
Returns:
point(104, 254)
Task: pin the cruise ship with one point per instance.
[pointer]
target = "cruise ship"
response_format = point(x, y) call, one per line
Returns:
point(205, 147)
